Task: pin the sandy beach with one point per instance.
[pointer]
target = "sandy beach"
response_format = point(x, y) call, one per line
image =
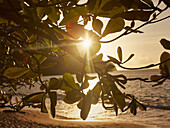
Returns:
point(35, 119)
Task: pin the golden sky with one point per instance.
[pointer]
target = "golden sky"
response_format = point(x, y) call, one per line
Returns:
point(145, 46)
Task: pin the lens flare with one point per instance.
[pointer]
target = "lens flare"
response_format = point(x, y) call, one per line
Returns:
point(86, 43)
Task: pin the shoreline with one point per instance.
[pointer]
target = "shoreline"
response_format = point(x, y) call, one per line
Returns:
point(33, 118)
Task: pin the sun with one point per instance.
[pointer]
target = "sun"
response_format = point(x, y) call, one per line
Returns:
point(86, 43)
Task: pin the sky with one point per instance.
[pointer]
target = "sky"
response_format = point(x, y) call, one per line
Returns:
point(145, 46)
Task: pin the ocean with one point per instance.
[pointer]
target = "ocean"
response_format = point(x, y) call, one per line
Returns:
point(157, 100)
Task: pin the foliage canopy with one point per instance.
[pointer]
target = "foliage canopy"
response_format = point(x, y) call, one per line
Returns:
point(31, 31)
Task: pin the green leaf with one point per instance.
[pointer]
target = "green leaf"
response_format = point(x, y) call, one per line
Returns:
point(97, 25)
point(136, 15)
point(89, 77)
point(15, 72)
point(2, 21)
point(69, 81)
point(114, 25)
point(119, 52)
point(133, 107)
point(54, 84)
point(165, 43)
point(91, 4)
point(118, 97)
point(85, 84)
point(141, 106)
point(54, 15)
point(43, 106)
point(79, 77)
point(72, 96)
point(34, 97)
point(73, 15)
point(98, 58)
point(96, 93)
point(86, 105)
point(40, 12)
point(110, 5)
point(53, 99)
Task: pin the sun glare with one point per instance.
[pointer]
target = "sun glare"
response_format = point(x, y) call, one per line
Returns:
point(86, 43)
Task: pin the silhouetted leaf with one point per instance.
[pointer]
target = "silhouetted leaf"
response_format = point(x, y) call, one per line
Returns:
point(114, 60)
point(114, 25)
point(167, 2)
point(129, 58)
point(110, 5)
point(86, 105)
point(119, 52)
point(97, 25)
point(15, 72)
point(165, 66)
point(165, 43)
point(155, 78)
point(53, 99)
point(136, 15)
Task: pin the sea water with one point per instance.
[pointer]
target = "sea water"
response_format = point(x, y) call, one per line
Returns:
point(157, 100)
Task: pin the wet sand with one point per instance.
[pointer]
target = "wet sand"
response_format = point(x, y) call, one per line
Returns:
point(36, 119)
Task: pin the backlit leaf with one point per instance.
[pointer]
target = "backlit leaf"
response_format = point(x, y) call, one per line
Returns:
point(54, 84)
point(69, 80)
point(141, 106)
point(91, 4)
point(97, 25)
point(72, 96)
point(43, 106)
point(85, 84)
point(75, 30)
point(86, 105)
point(15, 72)
point(79, 77)
point(34, 98)
point(118, 97)
point(96, 93)
point(119, 52)
point(40, 12)
point(114, 25)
